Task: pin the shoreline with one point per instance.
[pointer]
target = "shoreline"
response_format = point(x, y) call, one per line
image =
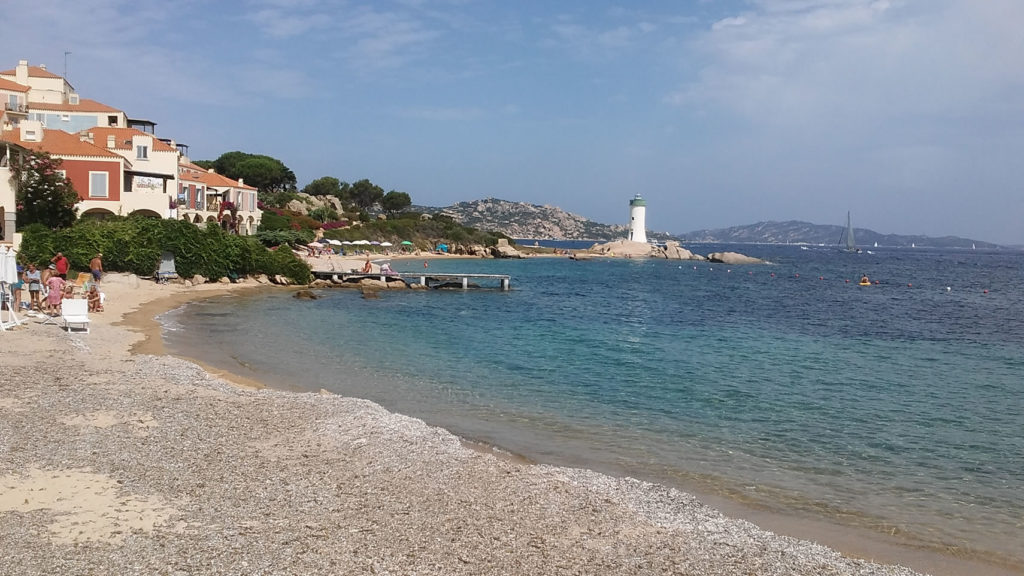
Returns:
point(855, 541)
point(640, 511)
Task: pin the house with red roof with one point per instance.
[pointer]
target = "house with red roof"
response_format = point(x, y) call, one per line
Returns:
point(205, 196)
point(115, 164)
point(52, 100)
point(96, 174)
point(13, 102)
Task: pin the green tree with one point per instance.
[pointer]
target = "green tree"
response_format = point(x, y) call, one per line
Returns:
point(265, 173)
point(43, 196)
point(324, 214)
point(330, 186)
point(324, 186)
point(395, 201)
point(365, 194)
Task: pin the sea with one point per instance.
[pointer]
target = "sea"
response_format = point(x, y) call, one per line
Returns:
point(895, 409)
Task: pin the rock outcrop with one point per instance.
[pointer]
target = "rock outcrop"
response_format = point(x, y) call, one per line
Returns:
point(673, 251)
point(733, 258)
point(306, 203)
point(523, 220)
point(623, 249)
point(504, 250)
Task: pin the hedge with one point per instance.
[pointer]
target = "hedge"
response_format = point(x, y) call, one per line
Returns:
point(134, 245)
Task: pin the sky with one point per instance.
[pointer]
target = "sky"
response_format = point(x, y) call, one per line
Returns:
point(907, 113)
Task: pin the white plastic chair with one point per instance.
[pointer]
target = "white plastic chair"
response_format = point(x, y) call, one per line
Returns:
point(75, 311)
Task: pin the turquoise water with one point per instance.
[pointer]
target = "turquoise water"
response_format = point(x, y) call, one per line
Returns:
point(895, 407)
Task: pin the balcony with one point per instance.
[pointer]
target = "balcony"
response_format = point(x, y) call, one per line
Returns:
point(16, 108)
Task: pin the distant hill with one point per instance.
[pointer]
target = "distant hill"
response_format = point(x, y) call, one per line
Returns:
point(523, 220)
point(797, 232)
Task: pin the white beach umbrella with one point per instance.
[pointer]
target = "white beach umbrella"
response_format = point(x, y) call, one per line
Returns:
point(9, 271)
point(335, 242)
point(386, 244)
point(3, 264)
point(346, 242)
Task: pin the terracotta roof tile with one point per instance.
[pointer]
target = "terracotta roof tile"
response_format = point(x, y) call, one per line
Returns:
point(123, 138)
point(60, 143)
point(84, 105)
point(33, 72)
point(12, 86)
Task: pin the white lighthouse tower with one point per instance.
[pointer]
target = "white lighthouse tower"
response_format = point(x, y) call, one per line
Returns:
point(637, 219)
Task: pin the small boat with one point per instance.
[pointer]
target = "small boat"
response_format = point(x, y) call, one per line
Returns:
point(876, 245)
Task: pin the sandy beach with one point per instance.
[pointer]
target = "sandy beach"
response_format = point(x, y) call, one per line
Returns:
point(117, 459)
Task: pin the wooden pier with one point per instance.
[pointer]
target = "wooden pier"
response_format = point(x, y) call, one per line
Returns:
point(428, 279)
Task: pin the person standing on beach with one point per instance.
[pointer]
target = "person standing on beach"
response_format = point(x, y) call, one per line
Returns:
point(56, 285)
point(62, 264)
point(96, 266)
point(35, 285)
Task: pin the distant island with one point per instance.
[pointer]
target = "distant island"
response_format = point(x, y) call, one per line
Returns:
point(525, 220)
point(797, 232)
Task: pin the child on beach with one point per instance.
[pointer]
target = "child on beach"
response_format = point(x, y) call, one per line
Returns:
point(95, 304)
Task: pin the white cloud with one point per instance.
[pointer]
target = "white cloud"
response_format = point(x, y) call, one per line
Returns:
point(794, 60)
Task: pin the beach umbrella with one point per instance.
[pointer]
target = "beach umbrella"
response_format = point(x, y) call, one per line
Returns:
point(346, 242)
point(315, 245)
point(3, 264)
point(10, 267)
point(375, 243)
point(385, 244)
point(335, 242)
point(406, 243)
point(362, 242)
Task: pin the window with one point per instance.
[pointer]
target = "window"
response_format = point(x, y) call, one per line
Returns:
point(62, 173)
point(142, 152)
point(65, 117)
point(73, 99)
point(200, 197)
point(98, 184)
point(252, 201)
point(111, 120)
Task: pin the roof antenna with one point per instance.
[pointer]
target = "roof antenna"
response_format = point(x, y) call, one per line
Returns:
point(66, 54)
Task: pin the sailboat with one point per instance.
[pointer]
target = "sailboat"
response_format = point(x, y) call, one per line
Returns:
point(849, 245)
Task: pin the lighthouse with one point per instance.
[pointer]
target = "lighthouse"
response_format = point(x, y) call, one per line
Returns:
point(637, 214)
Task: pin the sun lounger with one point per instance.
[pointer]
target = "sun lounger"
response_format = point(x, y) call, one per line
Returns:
point(75, 311)
point(80, 282)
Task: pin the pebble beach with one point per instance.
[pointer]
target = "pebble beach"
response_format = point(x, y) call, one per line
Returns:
point(117, 459)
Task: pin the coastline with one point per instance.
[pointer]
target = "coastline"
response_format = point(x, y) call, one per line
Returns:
point(259, 479)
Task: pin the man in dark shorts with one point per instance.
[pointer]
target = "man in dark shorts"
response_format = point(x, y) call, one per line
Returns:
point(96, 265)
point(61, 263)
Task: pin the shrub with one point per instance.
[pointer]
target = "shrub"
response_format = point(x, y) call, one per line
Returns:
point(135, 244)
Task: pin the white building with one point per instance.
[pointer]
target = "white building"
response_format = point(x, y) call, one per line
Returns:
point(637, 219)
